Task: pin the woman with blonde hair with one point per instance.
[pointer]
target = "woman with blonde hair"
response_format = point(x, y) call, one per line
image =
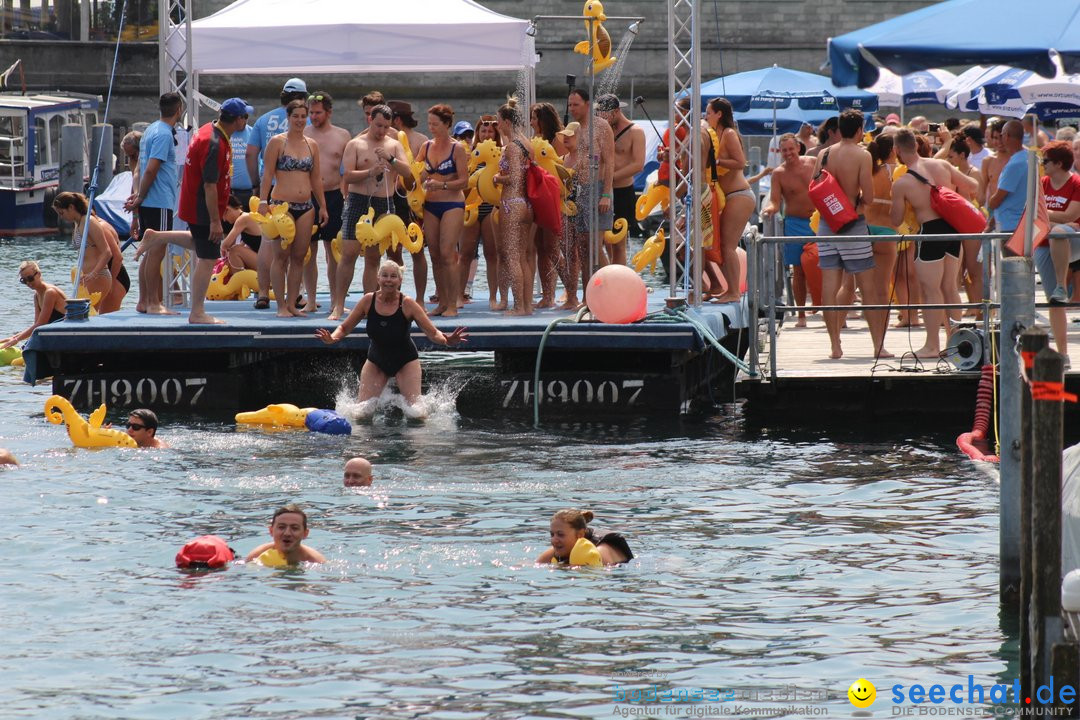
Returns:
point(516, 215)
point(50, 303)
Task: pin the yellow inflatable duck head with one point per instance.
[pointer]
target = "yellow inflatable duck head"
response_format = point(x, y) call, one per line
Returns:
point(272, 558)
point(266, 222)
point(488, 155)
point(85, 433)
point(584, 554)
point(228, 284)
point(280, 415)
point(594, 9)
point(650, 252)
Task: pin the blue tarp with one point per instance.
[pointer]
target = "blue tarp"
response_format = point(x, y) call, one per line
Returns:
point(961, 32)
point(759, 89)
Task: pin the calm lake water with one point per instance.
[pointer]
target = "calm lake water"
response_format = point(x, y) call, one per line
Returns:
point(767, 561)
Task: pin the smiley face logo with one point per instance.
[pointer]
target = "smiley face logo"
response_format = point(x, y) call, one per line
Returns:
point(862, 693)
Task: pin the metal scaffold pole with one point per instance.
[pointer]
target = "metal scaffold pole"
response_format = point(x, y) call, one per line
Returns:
point(175, 75)
point(684, 80)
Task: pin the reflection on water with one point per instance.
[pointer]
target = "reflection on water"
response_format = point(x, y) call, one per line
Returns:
point(764, 559)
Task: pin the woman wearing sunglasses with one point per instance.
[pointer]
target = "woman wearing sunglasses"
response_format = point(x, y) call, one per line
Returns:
point(49, 302)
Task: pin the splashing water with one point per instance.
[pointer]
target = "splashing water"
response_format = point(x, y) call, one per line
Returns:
point(609, 81)
point(438, 404)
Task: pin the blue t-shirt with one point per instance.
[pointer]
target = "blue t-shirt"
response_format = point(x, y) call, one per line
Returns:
point(157, 142)
point(267, 126)
point(1013, 179)
point(239, 142)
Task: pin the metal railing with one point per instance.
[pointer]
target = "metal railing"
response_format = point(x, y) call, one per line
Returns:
point(765, 275)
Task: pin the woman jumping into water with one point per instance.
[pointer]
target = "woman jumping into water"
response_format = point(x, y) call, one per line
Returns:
point(392, 353)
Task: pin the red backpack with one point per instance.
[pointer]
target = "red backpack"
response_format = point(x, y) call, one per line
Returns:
point(831, 201)
point(206, 551)
point(545, 196)
point(964, 217)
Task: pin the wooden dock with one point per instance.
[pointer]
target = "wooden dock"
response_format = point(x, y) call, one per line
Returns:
point(808, 384)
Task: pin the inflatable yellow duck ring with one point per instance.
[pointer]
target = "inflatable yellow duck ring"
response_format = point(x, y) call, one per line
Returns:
point(482, 179)
point(552, 163)
point(365, 229)
point(417, 195)
point(650, 252)
point(83, 433)
point(390, 231)
point(600, 40)
point(619, 234)
point(280, 415)
point(278, 225)
point(584, 554)
point(229, 284)
point(654, 195)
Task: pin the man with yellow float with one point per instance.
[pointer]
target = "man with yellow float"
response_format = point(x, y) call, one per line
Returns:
point(373, 162)
point(142, 425)
point(289, 529)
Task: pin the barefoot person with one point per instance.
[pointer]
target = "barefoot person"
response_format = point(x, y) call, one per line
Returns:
point(852, 167)
point(739, 201)
point(204, 195)
point(331, 140)
point(485, 230)
point(50, 303)
point(289, 529)
point(154, 200)
point(95, 274)
point(391, 353)
point(373, 162)
point(516, 215)
point(790, 185)
point(937, 263)
point(292, 173)
point(629, 140)
point(445, 176)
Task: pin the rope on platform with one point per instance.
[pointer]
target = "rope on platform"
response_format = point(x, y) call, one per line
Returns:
point(92, 190)
point(575, 318)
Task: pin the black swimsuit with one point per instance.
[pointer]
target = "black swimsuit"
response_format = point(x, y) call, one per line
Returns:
point(391, 346)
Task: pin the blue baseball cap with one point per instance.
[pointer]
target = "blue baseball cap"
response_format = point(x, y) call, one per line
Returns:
point(462, 127)
point(236, 107)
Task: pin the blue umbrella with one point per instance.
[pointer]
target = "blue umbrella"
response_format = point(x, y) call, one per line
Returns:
point(961, 32)
point(779, 87)
point(762, 122)
point(917, 88)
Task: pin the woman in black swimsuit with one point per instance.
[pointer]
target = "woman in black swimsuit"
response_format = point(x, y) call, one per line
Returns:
point(391, 352)
point(50, 303)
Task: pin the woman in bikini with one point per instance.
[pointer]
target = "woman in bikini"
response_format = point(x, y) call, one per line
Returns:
point(545, 123)
point(102, 260)
point(516, 214)
point(740, 201)
point(486, 229)
point(291, 168)
point(50, 303)
point(391, 352)
point(445, 176)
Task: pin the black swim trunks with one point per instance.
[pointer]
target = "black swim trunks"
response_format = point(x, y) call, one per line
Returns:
point(929, 251)
point(357, 205)
point(335, 203)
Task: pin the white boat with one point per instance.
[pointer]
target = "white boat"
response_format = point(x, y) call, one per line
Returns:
point(30, 129)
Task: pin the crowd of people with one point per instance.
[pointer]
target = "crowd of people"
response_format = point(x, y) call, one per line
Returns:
point(887, 175)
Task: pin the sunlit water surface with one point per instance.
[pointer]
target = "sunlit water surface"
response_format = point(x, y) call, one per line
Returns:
point(766, 559)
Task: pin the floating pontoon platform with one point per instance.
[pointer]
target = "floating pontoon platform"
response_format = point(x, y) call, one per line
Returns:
point(127, 359)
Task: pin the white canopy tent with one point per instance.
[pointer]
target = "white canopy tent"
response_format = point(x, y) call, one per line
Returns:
point(293, 37)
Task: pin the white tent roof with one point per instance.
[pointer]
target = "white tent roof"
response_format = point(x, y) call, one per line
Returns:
point(293, 37)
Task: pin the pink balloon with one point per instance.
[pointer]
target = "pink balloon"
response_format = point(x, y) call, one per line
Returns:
point(616, 294)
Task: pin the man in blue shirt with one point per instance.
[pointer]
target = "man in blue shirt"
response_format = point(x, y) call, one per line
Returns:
point(1008, 202)
point(156, 197)
point(267, 126)
point(242, 182)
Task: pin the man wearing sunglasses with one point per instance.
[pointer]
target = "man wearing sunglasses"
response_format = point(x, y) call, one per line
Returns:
point(142, 427)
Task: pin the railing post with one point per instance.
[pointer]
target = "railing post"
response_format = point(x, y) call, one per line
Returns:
point(753, 252)
point(1017, 313)
point(1046, 442)
point(1031, 342)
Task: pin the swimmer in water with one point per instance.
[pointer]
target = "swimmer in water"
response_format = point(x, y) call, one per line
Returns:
point(358, 472)
point(6, 458)
point(568, 526)
point(391, 354)
point(142, 426)
point(288, 527)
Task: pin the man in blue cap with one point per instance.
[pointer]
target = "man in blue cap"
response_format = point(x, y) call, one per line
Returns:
point(204, 195)
point(267, 126)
